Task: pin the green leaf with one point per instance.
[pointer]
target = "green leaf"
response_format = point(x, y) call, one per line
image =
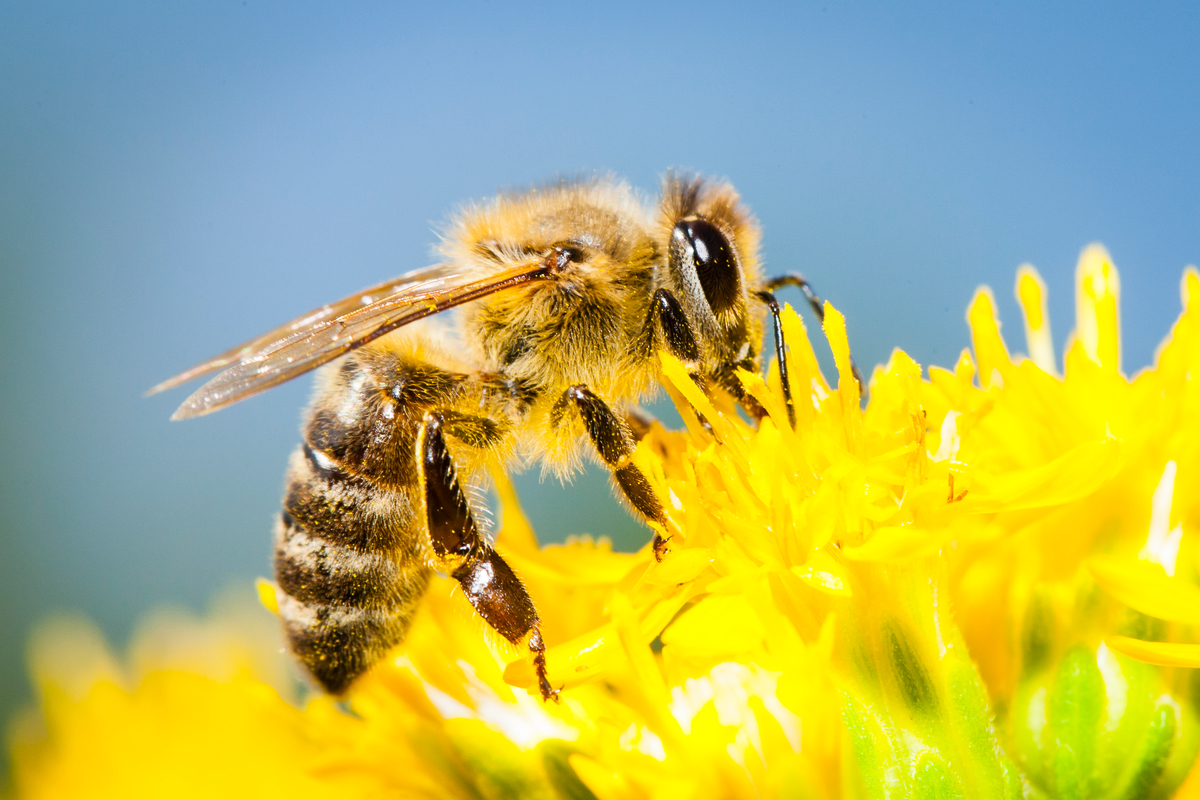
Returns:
point(934, 780)
point(1074, 710)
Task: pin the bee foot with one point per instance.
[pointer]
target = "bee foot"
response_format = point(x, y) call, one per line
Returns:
point(538, 648)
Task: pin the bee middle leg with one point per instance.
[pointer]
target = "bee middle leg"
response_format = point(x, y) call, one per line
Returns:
point(489, 582)
point(615, 442)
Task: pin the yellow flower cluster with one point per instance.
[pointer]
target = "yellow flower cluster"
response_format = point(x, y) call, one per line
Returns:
point(984, 584)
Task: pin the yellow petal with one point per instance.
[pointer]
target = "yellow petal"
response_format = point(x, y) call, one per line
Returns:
point(676, 373)
point(964, 368)
point(571, 663)
point(776, 408)
point(1145, 587)
point(1072, 476)
point(1189, 287)
point(892, 543)
point(586, 657)
point(680, 567)
point(1165, 654)
point(720, 627)
point(835, 332)
point(824, 574)
point(1097, 309)
point(985, 336)
point(267, 596)
point(802, 361)
point(1031, 294)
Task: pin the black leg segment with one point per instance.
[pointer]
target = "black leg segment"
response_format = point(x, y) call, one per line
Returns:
point(667, 313)
point(780, 354)
point(668, 325)
point(452, 529)
point(489, 583)
point(801, 283)
point(615, 444)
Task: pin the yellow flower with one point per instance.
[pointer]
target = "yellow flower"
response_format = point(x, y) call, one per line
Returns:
point(982, 584)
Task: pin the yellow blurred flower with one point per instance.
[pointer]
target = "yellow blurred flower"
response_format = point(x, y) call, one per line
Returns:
point(984, 584)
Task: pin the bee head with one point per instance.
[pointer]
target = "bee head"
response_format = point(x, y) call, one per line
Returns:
point(711, 242)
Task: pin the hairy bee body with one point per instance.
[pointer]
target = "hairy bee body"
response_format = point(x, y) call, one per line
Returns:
point(565, 295)
point(351, 559)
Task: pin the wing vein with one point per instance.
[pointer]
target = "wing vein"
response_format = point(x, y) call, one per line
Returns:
point(333, 330)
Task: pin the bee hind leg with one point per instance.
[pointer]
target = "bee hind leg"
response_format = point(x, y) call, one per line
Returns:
point(615, 443)
point(488, 581)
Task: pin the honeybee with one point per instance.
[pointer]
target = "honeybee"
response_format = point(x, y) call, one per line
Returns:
point(565, 295)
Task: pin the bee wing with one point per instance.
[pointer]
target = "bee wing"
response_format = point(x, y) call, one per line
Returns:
point(331, 331)
point(306, 323)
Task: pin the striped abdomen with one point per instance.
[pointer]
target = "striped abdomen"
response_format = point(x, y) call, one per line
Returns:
point(350, 550)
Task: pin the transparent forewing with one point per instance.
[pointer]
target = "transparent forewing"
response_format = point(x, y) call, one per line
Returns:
point(319, 337)
point(306, 323)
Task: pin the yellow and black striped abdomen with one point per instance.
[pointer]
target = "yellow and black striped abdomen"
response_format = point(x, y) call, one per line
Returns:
point(352, 579)
point(351, 558)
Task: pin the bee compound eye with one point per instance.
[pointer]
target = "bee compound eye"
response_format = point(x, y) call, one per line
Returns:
point(714, 261)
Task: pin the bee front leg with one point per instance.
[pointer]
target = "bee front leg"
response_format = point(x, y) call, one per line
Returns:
point(801, 283)
point(668, 324)
point(615, 443)
point(780, 353)
point(489, 582)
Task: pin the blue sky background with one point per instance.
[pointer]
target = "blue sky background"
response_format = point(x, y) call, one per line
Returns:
point(174, 178)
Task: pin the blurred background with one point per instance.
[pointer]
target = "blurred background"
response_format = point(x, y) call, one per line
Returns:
point(175, 178)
